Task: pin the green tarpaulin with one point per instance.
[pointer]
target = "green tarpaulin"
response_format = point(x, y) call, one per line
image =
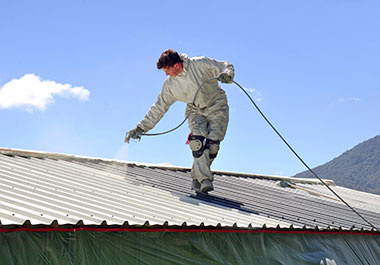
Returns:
point(187, 247)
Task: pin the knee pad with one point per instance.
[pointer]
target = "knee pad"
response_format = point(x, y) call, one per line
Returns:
point(196, 143)
point(213, 147)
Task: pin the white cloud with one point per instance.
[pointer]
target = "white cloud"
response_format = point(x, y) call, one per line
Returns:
point(344, 100)
point(30, 92)
point(256, 94)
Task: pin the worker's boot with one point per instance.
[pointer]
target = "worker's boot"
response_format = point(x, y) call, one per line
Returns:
point(196, 186)
point(206, 186)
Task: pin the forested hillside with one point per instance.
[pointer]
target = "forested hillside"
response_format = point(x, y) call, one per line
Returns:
point(357, 168)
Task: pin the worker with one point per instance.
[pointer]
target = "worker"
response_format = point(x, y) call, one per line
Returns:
point(207, 114)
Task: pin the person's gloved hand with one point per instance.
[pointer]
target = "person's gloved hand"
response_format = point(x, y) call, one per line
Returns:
point(134, 134)
point(225, 78)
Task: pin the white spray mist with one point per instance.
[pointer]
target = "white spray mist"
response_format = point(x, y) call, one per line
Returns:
point(122, 154)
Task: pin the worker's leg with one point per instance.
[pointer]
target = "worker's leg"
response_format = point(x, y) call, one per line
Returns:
point(217, 125)
point(201, 166)
point(217, 119)
point(217, 122)
point(212, 127)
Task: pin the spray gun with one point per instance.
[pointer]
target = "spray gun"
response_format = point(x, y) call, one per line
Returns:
point(134, 134)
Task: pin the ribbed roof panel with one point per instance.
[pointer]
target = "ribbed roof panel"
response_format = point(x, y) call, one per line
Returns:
point(43, 187)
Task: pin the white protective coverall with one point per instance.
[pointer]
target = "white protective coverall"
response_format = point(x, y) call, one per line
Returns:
point(208, 116)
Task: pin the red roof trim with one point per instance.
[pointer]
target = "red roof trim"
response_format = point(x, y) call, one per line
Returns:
point(52, 229)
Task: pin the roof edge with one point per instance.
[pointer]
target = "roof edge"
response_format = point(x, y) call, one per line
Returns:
point(70, 157)
point(146, 227)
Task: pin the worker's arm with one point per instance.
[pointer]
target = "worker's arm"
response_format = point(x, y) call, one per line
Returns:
point(164, 100)
point(222, 69)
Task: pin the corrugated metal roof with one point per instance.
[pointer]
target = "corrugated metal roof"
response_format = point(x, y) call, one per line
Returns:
point(44, 187)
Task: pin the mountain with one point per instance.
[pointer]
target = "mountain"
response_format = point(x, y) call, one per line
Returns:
point(357, 168)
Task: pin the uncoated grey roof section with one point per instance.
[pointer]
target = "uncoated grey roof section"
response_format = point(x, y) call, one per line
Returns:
point(43, 187)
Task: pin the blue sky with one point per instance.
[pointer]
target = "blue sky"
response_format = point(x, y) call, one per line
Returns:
point(76, 75)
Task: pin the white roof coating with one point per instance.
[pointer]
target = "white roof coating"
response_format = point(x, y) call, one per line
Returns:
point(44, 190)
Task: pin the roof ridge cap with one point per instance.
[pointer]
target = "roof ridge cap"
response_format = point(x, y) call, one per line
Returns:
point(52, 155)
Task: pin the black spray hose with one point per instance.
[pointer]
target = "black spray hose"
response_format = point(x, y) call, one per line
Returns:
point(282, 138)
